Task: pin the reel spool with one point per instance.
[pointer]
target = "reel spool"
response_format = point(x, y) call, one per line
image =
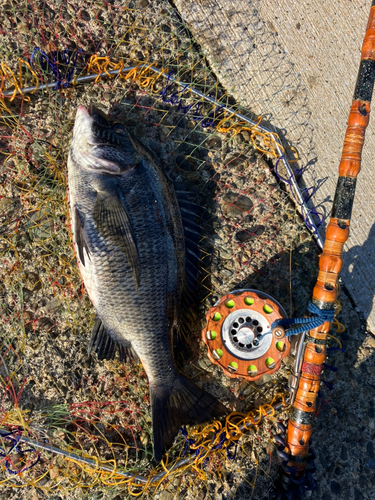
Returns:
point(239, 337)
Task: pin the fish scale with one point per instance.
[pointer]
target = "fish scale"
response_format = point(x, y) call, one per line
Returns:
point(129, 239)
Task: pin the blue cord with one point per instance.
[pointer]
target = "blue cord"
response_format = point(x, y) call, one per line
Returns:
point(306, 323)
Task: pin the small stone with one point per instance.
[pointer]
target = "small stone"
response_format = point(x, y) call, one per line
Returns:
point(212, 142)
point(204, 363)
point(226, 272)
point(370, 464)
point(264, 379)
point(288, 361)
point(166, 495)
point(344, 452)
point(352, 419)
point(238, 163)
point(370, 449)
point(27, 316)
point(357, 494)
point(335, 487)
point(371, 342)
point(8, 205)
point(145, 438)
point(225, 254)
point(250, 233)
point(371, 369)
point(334, 410)
point(245, 136)
point(245, 389)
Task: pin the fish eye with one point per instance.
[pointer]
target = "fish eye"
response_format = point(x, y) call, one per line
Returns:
point(119, 129)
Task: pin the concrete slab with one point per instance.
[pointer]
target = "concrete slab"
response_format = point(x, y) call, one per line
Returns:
point(296, 62)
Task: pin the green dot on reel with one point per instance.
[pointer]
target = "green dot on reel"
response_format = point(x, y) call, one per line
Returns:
point(216, 316)
point(229, 304)
point(267, 309)
point(252, 370)
point(233, 365)
point(249, 301)
point(270, 363)
point(217, 353)
point(280, 346)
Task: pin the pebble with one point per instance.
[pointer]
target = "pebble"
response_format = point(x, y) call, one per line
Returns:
point(352, 419)
point(264, 379)
point(357, 494)
point(371, 369)
point(8, 205)
point(204, 363)
point(288, 361)
point(371, 342)
point(370, 464)
point(213, 142)
point(227, 273)
point(166, 495)
point(370, 449)
point(225, 254)
point(344, 452)
point(250, 233)
point(335, 487)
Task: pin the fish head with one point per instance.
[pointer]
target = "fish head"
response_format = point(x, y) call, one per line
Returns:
point(101, 145)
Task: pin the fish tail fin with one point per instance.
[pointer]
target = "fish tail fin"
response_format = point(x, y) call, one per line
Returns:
point(182, 404)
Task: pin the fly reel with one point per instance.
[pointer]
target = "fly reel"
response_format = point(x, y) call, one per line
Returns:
point(239, 336)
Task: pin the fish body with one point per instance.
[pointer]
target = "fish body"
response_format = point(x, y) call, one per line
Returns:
point(129, 240)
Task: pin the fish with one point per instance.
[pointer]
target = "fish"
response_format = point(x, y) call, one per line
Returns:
point(129, 240)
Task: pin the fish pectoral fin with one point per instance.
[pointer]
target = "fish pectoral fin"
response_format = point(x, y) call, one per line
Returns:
point(96, 165)
point(80, 236)
point(105, 346)
point(112, 221)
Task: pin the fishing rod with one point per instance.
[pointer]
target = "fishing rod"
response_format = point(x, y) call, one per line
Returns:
point(295, 474)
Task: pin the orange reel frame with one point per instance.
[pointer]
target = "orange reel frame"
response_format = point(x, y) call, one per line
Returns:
point(224, 327)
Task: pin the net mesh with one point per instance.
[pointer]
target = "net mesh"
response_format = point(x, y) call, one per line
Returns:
point(93, 418)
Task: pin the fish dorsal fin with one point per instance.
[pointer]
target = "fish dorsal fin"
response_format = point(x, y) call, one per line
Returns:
point(104, 345)
point(80, 236)
point(112, 221)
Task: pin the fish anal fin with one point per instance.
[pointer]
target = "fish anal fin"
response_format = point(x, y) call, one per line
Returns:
point(80, 236)
point(182, 404)
point(112, 220)
point(105, 346)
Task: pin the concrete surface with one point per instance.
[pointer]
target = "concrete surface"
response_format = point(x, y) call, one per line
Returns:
point(296, 62)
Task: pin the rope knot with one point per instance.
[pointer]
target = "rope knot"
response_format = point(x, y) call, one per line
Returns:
point(306, 324)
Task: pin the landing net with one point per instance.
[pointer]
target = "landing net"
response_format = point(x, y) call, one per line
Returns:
point(70, 424)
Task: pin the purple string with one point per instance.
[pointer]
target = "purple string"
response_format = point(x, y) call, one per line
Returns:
point(16, 446)
point(52, 61)
point(306, 193)
point(176, 98)
point(329, 367)
point(329, 385)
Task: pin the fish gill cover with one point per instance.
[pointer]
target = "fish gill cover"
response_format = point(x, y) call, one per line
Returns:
point(93, 417)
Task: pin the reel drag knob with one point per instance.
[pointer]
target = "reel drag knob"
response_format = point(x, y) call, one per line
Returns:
point(239, 337)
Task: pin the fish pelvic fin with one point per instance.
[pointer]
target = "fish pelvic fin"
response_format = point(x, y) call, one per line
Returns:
point(103, 344)
point(112, 219)
point(182, 404)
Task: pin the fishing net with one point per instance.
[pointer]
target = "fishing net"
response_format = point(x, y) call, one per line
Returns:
point(74, 427)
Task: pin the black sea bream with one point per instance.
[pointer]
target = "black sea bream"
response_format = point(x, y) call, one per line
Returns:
point(129, 241)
